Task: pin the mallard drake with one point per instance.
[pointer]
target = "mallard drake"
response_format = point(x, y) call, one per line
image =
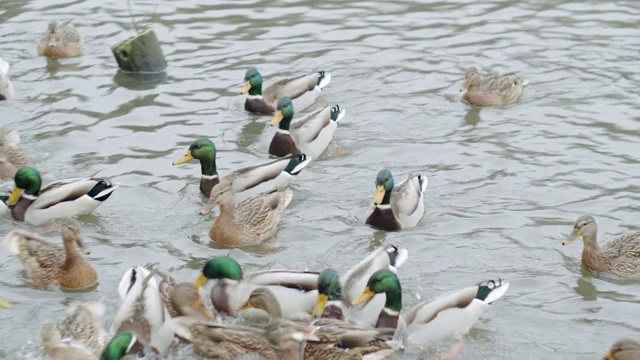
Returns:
point(250, 221)
point(82, 321)
point(447, 316)
point(309, 135)
point(49, 264)
point(303, 91)
point(624, 349)
point(335, 295)
point(495, 91)
point(60, 199)
point(143, 313)
point(294, 290)
point(56, 349)
point(6, 86)
point(397, 207)
point(61, 40)
point(122, 346)
point(336, 339)
point(619, 256)
point(247, 181)
point(14, 157)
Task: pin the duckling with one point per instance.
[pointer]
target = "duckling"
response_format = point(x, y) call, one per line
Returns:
point(49, 264)
point(56, 349)
point(6, 86)
point(397, 207)
point(250, 221)
point(496, 91)
point(82, 321)
point(303, 91)
point(624, 349)
point(620, 256)
point(61, 40)
point(310, 134)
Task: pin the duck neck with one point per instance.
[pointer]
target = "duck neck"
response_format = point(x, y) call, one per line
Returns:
point(591, 242)
point(70, 250)
point(386, 200)
point(208, 167)
point(256, 90)
point(285, 123)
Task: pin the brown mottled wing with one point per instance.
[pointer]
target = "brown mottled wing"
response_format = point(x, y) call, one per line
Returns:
point(261, 209)
point(348, 335)
point(307, 129)
point(41, 258)
point(626, 250)
point(426, 311)
point(292, 87)
point(236, 340)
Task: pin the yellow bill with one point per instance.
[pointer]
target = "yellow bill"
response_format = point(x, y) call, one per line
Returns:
point(15, 195)
point(277, 118)
point(366, 295)
point(377, 199)
point(575, 234)
point(4, 304)
point(246, 87)
point(246, 306)
point(318, 310)
point(184, 158)
point(202, 279)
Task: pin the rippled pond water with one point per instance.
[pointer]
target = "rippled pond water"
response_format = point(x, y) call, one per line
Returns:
point(505, 184)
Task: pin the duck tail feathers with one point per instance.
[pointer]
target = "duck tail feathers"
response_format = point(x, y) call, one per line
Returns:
point(337, 113)
point(492, 290)
point(324, 78)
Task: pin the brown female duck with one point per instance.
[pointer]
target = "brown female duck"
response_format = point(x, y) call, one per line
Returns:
point(61, 40)
point(620, 256)
point(49, 264)
point(494, 91)
point(624, 349)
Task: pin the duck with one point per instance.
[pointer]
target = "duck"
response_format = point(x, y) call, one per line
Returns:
point(495, 91)
point(397, 207)
point(335, 294)
point(82, 322)
point(142, 313)
point(48, 264)
point(247, 181)
point(6, 86)
point(294, 290)
point(303, 91)
point(619, 256)
point(181, 298)
point(250, 221)
point(624, 349)
point(450, 315)
point(309, 135)
point(335, 339)
point(31, 203)
point(56, 349)
point(14, 156)
point(61, 40)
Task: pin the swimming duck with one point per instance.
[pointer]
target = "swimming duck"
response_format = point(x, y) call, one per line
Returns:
point(335, 294)
point(49, 264)
point(181, 298)
point(303, 91)
point(495, 91)
point(624, 349)
point(451, 315)
point(31, 203)
point(244, 182)
point(61, 40)
point(619, 256)
point(6, 86)
point(56, 349)
point(14, 156)
point(294, 290)
point(82, 321)
point(309, 135)
point(336, 339)
point(397, 207)
point(142, 313)
point(250, 221)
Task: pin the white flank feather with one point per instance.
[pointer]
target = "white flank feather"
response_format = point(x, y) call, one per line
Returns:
point(12, 242)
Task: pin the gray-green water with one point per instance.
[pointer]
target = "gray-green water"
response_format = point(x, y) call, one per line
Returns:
point(504, 184)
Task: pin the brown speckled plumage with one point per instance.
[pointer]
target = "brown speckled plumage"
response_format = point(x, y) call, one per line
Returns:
point(619, 256)
point(624, 349)
point(493, 91)
point(61, 40)
point(82, 322)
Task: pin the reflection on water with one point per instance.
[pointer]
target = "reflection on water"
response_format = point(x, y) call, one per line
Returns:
point(503, 182)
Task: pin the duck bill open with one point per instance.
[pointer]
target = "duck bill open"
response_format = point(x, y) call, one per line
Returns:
point(572, 237)
point(15, 195)
point(184, 158)
point(245, 87)
point(277, 118)
point(379, 196)
point(366, 295)
point(318, 310)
